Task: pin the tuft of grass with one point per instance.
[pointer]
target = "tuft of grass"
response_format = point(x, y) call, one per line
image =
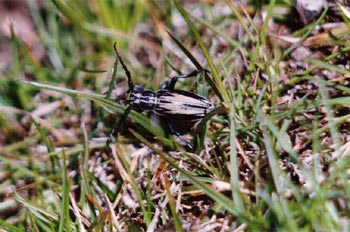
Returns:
point(272, 155)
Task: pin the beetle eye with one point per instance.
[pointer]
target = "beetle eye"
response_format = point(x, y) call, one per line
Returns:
point(138, 88)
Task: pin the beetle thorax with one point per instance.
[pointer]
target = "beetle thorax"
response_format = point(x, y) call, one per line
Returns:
point(143, 100)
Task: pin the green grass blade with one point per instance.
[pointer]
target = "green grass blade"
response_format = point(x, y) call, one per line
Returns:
point(218, 87)
point(237, 199)
point(172, 204)
point(138, 192)
point(64, 221)
point(114, 78)
point(7, 226)
point(186, 51)
point(141, 119)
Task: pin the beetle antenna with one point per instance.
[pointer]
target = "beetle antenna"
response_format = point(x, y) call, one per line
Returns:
point(130, 83)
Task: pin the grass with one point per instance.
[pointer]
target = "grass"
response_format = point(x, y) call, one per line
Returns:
point(273, 154)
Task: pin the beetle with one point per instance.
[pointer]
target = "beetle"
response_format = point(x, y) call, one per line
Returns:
point(168, 103)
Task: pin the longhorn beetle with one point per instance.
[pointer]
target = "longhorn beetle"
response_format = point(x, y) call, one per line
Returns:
point(167, 102)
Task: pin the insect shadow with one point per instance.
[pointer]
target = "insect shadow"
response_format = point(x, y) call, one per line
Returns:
point(177, 109)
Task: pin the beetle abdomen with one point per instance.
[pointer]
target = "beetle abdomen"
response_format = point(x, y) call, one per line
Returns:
point(182, 105)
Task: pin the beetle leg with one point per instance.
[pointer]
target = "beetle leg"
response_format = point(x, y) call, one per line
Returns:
point(188, 145)
point(117, 127)
point(171, 85)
